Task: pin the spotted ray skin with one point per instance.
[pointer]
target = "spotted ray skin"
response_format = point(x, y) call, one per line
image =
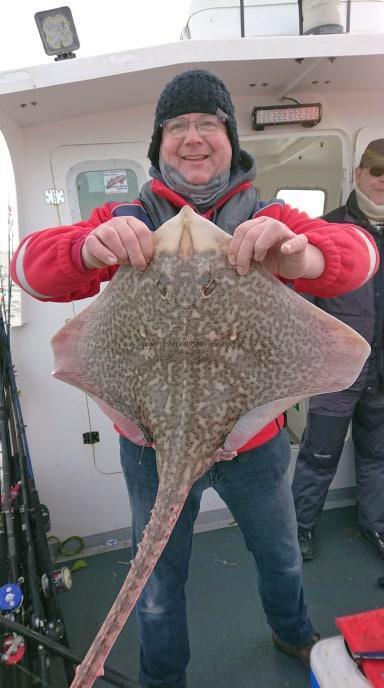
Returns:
point(196, 359)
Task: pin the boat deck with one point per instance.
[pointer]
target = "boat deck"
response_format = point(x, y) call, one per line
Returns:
point(230, 639)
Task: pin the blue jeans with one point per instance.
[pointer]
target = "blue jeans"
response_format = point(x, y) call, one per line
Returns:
point(256, 489)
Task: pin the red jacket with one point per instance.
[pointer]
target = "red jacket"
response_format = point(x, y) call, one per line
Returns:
point(48, 265)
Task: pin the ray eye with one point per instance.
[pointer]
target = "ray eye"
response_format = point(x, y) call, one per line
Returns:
point(208, 283)
point(162, 287)
point(211, 284)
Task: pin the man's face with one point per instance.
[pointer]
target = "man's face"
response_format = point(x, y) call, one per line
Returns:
point(371, 185)
point(198, 154)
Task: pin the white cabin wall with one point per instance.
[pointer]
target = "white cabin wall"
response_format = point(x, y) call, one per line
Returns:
point(41, 141)
point(56, 414)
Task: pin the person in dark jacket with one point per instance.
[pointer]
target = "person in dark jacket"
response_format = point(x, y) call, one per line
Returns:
point(363, 403)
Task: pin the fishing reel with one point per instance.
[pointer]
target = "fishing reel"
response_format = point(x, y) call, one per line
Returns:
point(11, 598)
point(13, 649)
point(62, 579)
point(54, 630)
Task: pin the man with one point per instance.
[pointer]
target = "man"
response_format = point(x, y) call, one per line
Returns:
point(197, 161)
point(363, 403)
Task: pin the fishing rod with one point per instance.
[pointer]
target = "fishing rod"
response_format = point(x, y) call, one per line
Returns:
point(16, 475)
point(7, 510)
point(11, 596)
point(22, 590)
point(112, 676)
point(3, 540)
point(38, 554)
point(23, 568)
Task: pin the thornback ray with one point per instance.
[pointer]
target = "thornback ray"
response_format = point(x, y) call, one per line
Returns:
point(195, 359)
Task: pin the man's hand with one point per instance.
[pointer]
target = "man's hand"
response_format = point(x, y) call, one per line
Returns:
point(121, 241)
point(280, 250)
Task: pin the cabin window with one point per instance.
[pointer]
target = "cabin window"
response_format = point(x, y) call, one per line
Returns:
point(96, 187)
point(312, 201)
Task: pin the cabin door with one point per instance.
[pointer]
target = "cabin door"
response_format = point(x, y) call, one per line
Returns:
point(84, 177)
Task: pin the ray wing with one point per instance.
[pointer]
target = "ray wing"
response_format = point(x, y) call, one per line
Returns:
point(290, 350)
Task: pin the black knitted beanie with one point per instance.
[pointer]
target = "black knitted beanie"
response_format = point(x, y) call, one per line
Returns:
point(194, 91)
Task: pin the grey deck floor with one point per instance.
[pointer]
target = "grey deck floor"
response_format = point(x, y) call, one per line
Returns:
point(230, 640)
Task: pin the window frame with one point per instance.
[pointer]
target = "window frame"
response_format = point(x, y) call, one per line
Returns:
point(98, 165)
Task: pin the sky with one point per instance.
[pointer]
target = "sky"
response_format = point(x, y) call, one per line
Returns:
point(101, 27)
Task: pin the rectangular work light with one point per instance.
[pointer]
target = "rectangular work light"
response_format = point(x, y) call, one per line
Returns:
point(308, 115)
point(58, 32)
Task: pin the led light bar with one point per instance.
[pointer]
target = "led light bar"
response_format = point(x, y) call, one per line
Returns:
point(307, 115)
point(58, 32)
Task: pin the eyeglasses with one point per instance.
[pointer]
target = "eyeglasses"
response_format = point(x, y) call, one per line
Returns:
point(376, 171)
point(206, 125)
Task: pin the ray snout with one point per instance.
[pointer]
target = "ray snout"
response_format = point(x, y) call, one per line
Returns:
point(186, 243)
point(188, 233)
